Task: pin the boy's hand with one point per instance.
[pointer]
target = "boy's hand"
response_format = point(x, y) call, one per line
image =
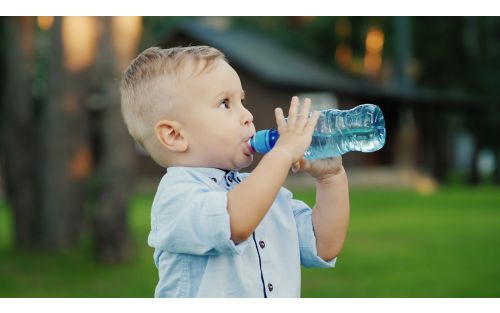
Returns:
point(322, 169)
point(296, 133)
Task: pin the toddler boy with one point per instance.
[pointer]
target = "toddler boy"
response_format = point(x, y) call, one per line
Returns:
point(217, 232)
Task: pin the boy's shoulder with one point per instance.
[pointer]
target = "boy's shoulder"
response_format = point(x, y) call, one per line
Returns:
point(182, 174)
point(182, 184)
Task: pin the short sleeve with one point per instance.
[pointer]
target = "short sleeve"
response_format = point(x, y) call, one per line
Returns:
point(307, 240)
point(189, 217)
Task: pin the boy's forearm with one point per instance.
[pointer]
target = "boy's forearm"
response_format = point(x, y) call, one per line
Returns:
point(249, 202)
point(331, 215)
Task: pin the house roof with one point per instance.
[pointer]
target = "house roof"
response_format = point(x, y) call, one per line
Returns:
point(270, 61)
point(279, 66)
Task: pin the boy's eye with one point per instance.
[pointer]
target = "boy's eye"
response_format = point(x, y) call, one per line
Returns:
point(224, 104)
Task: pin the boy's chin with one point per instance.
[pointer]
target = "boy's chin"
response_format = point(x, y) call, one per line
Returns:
point(244, 164)
point(248, 163)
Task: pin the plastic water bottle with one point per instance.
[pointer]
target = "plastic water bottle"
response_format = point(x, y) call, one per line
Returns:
point(337, 132)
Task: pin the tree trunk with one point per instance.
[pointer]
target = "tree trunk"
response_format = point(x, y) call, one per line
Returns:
point(112, 239)
point(19, 131)
point(65, 160)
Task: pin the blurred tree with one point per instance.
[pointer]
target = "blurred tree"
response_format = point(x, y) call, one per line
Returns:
point(65, 161)
point(19, 132)
point(460, 55)
point(480, 40)
point(116, 162)
point(46, 153)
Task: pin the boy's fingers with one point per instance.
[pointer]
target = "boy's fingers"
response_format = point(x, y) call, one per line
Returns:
point(292, 112)
point(304, 112)
point(280, 118)
point(311, 123)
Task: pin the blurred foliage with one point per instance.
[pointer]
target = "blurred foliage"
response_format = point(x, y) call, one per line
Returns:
point(316, 36)
point(2, 62)
point(157, 28)
point(457, 54)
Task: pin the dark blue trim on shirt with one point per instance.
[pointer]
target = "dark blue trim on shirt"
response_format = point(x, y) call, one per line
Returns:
point(260, 266)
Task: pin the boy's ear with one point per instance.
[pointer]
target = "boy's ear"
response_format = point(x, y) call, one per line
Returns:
point(170, 136)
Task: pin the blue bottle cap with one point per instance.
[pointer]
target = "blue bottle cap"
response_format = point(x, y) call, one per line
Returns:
point(264, 140)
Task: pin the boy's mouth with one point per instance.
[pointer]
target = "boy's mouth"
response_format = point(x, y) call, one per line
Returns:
point(248, 151)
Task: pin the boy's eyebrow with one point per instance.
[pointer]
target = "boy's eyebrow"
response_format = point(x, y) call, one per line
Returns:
point(226, 93)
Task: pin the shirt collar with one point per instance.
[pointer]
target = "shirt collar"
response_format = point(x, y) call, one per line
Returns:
point(219, 176)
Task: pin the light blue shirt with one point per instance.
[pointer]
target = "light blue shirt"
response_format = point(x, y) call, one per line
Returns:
point(195, 256)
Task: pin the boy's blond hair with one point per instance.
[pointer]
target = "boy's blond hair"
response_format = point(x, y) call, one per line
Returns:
point(147, 85)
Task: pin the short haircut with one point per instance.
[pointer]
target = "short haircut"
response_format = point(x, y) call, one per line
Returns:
point(145, 96)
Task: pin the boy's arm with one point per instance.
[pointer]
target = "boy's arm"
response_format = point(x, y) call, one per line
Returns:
point(331, 214)
point(249, 202)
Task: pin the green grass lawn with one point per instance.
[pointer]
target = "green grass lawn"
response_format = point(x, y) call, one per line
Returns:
point(400, 244)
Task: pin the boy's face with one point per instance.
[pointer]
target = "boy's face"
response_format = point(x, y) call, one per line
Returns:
point(215, 122)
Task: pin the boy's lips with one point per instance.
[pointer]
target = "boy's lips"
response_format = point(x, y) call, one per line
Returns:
point(248, 151)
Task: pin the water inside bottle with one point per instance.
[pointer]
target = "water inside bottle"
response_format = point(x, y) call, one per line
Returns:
point(359, 139)
point(337, 132)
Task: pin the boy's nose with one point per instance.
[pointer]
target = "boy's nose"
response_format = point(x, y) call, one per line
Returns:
point(247, 118)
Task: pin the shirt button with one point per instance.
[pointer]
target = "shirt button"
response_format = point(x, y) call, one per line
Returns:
point(270, 287)
point(262, 244)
